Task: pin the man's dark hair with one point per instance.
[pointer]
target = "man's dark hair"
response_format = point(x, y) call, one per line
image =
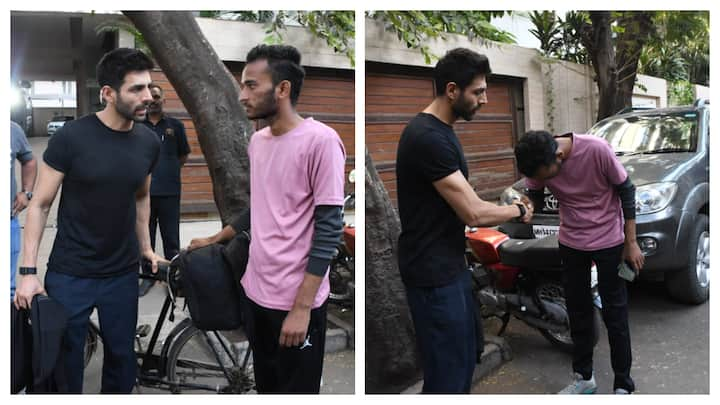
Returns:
point(534, 150)
point(459, 65)
point(114, 65)
point(284, 64)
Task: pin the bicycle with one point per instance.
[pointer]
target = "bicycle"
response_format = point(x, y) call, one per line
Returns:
point(190, 359)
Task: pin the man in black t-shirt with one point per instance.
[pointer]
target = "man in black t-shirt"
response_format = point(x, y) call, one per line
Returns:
point(103, 162)
point(435, 202)
point(165, 186)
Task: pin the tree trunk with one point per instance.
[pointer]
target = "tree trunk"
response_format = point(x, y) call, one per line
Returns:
point(211, 96)
point(602, 54)
point(630, 43)
point(391, 355)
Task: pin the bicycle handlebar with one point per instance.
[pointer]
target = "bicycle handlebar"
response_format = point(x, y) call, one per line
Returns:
point(161, 275)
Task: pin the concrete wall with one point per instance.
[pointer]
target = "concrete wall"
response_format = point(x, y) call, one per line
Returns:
point(233, 39)
point(650, 90)
point(570, 96)
point(701, 91)
point(559, 96)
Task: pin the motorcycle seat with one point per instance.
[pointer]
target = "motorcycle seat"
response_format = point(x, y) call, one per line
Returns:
point(540, 253)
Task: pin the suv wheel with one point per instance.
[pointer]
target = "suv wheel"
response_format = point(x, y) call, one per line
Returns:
point(691, 285)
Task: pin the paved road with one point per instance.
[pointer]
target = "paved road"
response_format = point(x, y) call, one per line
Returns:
point(670, 350)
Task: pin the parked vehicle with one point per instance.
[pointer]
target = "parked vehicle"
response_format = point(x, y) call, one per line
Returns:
point(666, 154)
point(342, 271)
point(342, 266)
point(521, 278)
point(188, 360)
point(56, 123)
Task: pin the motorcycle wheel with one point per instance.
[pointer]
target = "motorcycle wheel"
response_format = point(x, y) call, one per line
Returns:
point(340, 276)
point(554, 292)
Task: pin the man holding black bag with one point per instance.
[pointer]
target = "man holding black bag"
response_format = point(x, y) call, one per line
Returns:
point(103, 162)
point(296, 191)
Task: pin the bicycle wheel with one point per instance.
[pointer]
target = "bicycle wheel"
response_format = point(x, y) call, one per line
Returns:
point(201, 361)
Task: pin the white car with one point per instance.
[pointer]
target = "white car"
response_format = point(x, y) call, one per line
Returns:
point(57, 123)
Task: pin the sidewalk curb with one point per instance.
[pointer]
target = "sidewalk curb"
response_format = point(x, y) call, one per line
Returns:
point(497, 352)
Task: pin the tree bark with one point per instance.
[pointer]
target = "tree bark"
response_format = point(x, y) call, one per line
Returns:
point(630, 43)
point(602, 54)
point(391, 355)
point(211, 96)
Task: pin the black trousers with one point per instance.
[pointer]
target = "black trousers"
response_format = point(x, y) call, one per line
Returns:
point(165, 211)
point(282, 370)
point(613, 292)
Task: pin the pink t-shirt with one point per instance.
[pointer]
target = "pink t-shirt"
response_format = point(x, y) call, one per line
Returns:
point(590, 211)
point(290, 174)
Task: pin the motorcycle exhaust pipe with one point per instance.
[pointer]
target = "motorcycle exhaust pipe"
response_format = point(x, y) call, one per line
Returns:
point(555, 317)
point(524, 308)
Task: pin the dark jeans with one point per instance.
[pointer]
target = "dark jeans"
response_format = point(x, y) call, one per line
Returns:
point(613, 292)
point(282, 370)
point(165, 210)
point(444, 320)
point(116, 300)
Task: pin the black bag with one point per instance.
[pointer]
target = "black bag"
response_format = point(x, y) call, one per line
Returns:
point(20, 350)
point(236, 254)
point(211, 293)
point(37, 338)
point(49, 322)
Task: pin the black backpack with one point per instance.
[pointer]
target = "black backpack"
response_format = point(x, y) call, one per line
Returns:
point(211, 283)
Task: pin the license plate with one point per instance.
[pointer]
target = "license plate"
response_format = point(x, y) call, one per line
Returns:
point(542, 231)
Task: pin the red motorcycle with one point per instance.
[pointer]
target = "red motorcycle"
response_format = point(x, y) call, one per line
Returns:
point(342, 266)
point(522, 278)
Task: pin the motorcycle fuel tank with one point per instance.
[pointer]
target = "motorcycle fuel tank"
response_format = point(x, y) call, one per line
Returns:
point(484, 244)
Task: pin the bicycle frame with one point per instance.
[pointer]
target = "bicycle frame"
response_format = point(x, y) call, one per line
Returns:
point(152, 368)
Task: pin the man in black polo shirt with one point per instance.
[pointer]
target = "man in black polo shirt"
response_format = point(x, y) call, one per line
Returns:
point(165, 186)
point(103, 163)
point(435, 202)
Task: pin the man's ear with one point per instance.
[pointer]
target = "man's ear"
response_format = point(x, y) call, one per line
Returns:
point(283, 89)
point(107, 94)
point(451, 90)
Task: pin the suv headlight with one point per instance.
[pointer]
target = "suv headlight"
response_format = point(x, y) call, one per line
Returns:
point(654, 197)
point(509, 195)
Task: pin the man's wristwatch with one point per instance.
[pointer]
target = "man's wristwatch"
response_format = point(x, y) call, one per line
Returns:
point(28, 194)
point(27, 270)
point(523, 211)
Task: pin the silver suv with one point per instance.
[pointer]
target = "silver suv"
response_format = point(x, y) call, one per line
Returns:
point(666, 154)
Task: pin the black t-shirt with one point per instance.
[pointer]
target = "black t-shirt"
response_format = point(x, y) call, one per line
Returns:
point(103, 170)
point(166, 175)
point(432, 241)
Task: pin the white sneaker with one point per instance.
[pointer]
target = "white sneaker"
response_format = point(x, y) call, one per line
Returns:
point(580, 386)
point(621, 391)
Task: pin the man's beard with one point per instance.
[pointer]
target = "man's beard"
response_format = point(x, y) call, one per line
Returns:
point(461, 108)
point(127, 111)
point(267, 108)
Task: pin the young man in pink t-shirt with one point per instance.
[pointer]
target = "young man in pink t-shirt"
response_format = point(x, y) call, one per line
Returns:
point(296, 194)
point(595, 195)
